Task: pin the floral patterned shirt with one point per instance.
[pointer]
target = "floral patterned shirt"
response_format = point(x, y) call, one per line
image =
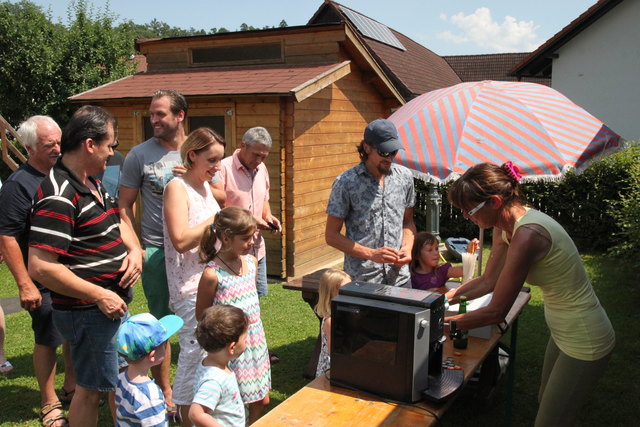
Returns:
point(373, 217)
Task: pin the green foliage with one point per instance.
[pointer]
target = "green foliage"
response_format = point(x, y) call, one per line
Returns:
point(626, 211)
point(599, 207)
point(43, 64)
point(29, 54)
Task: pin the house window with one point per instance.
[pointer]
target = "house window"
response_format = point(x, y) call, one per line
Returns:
point(244, 54)
point(193, 122)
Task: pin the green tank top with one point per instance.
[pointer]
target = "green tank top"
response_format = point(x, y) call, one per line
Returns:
point(577, 322)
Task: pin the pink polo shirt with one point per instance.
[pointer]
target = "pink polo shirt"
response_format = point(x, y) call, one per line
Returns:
point(246, 189)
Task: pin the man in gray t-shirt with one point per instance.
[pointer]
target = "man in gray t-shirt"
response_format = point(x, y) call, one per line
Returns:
point(147, 170)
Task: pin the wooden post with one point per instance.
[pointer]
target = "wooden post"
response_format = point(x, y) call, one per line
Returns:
point(8, 147)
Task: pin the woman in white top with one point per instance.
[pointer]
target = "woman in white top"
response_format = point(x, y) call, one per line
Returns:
point(189, 207)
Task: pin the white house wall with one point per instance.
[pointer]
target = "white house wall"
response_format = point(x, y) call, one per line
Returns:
point(599, 69)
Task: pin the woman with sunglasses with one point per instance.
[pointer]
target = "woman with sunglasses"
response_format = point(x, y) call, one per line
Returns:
point(530, 246)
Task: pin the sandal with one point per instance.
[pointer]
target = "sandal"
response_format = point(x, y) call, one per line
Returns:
point(173, 414)
point(66, 396)
point(49, 408)
point(6, 367)
point(273, 358)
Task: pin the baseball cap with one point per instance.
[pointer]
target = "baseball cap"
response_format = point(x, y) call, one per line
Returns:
point(141, 333)
point(382, 135)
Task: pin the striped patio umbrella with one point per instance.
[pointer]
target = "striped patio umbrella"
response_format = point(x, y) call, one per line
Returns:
point(446, 131)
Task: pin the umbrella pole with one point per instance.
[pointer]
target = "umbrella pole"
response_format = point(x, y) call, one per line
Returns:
point(481, 239)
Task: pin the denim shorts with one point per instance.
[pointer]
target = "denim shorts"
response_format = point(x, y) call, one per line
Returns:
point(44, 331)
point(154, 281)
point(92, 337)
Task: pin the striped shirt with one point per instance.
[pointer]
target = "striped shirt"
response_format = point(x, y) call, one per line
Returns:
point(218, 391)
point(67, 219)
point(139, 404)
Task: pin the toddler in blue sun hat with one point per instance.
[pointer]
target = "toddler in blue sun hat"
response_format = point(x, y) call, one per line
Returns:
point(142, 340)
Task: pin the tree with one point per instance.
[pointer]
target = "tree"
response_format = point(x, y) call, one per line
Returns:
point(43, 64)
point(29, 58)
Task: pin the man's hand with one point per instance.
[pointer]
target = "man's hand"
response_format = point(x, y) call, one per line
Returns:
point(178, 170)
point(30, 297)
point(384, 255)
point(404, 257)
point(273, 220)
point(132, 267)
point(111, 305)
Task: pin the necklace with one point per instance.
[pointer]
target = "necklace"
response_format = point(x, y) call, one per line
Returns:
point(237, 273)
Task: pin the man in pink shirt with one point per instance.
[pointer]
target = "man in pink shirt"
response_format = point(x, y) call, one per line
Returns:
point(246, 182)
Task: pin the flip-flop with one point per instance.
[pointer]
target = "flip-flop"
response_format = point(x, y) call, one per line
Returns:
point(6, 367)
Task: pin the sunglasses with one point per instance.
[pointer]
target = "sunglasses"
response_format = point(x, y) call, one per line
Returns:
point(387, 155)
point(476, 209)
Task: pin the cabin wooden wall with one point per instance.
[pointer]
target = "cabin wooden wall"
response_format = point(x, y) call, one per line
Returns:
point(304, 47)
point(327, 129)
point(245, 112)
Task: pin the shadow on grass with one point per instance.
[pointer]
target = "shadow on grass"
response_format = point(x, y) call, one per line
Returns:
point(19, 402)
point(286, 376)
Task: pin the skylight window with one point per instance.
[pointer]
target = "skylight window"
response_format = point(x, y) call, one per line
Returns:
point(372, 29)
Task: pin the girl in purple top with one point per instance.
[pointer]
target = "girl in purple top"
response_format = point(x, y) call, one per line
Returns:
point(425, 271)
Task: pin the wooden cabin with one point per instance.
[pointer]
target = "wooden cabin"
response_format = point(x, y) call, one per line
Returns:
point(313, 87)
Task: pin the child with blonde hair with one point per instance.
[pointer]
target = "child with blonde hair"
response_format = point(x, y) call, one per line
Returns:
point(330, 283)
point(230, 278)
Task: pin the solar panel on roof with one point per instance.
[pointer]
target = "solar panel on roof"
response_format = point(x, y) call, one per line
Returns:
point(372, 29)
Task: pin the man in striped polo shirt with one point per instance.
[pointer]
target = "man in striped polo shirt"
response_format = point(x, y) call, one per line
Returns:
point(80, 250)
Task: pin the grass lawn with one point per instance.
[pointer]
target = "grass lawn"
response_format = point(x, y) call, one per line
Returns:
point(291, 328)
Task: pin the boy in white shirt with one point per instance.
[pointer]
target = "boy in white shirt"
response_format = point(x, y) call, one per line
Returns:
point(217, 402)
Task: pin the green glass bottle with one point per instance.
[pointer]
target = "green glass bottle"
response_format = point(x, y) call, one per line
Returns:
point(462, 339)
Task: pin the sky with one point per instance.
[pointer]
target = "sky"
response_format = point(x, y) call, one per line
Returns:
point(447, 27)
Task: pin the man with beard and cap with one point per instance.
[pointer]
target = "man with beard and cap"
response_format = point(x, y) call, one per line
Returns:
point(374, 200)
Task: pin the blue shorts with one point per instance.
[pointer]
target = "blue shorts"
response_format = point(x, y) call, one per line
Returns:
point(44, 331)
point(261, 278)
point(92, 337)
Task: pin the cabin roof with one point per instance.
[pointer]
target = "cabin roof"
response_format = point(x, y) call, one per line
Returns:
point(495, 66)
point(414, 69)
point(296, 80)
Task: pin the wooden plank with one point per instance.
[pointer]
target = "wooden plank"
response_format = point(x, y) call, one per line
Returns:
point(310, 59)
point(265, 120)
point(332, 258)
point(312, 174)
point(315, 37)
point(315, 185)
point(328, 104)
point(312, 198)
point(302, 223)
point(257, 108)
point(311, 49)
point(306, 140)
point(318, 162)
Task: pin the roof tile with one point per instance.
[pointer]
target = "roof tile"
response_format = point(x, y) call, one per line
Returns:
point(254, 80)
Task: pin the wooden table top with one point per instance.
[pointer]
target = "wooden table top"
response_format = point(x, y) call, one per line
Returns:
point(321, 404)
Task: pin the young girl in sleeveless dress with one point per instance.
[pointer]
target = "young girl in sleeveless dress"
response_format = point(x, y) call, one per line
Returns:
point(330, 283)
point(230, 278)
